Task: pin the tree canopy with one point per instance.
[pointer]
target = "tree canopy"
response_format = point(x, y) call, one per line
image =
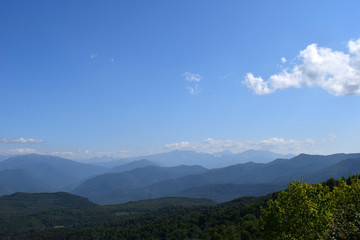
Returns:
point(314, 211)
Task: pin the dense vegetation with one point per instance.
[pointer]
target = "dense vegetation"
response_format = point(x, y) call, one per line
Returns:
point(314, 211)
point(236, 219)
point(329, 210)
point(24, 213)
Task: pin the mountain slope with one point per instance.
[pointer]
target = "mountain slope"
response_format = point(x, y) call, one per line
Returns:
point(16, 180)
point(55, 171)
point(3, 157)
point(341, 169)
point(227, 192)
point(33, 202)
point(300, 166)
point(133, 165)
point(108, 188)
point(237, 180)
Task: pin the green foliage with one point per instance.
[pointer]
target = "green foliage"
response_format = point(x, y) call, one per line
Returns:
point(300, 212)
point(346, 196)
point(313, 211)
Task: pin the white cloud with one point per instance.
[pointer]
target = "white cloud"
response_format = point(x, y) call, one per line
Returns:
point(193, 80)
point(283, 60)
point(20, 140)
point(86, 154)
point(335, 71)
point(64, 154)
point(193, 89)
point(98, 57)
point(17, 151)
point(192, 77)
point(211, 145)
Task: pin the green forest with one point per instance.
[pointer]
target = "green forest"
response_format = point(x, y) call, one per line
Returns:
point(328, 210)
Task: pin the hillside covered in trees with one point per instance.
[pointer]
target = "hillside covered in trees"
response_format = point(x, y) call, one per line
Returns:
point(329, 210)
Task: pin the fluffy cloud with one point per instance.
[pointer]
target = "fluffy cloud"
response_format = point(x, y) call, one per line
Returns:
point(335, 71)
point(20, 140)
point(17, 151)
point(211, 145)
point(193, 80)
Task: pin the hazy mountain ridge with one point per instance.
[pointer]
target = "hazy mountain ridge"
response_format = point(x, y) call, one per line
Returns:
point(235, 180)
point(38, 173)
point(186, 157)
point(104, 188)
point(4, 157)
point(342, 169)
point(18, 180)
point(53, 171)
point(133, 165)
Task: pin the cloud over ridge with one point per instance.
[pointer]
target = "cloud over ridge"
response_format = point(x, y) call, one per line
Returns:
point(336, 72)
point(211, 145)
point(17, 151)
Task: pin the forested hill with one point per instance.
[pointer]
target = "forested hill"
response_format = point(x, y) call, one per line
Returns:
point(24, 212)
point(169, 218)
point(34, 202)
point(328, 210)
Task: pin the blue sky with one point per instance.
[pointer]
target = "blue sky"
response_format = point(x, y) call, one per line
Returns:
point(121, 78)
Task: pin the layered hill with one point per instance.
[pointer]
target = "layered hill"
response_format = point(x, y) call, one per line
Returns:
point(142, 179)
point(133, 165)
point(43, 173)
point(221, 184)
point(109, 188)
point(216, 160)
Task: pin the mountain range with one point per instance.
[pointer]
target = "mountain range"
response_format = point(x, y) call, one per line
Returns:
point(215, 160)
point(148, 179)
point(219, 184)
